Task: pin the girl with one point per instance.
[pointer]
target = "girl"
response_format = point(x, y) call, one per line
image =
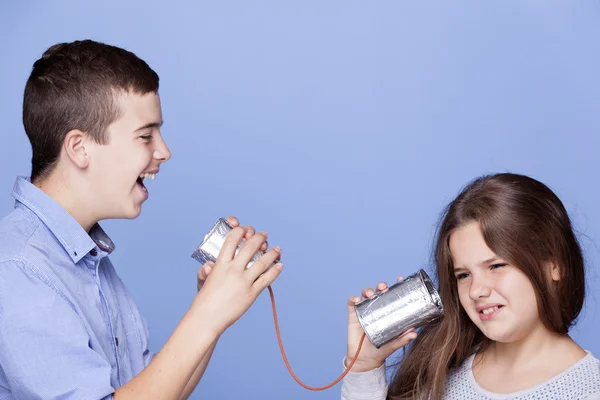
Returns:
point(511, 276)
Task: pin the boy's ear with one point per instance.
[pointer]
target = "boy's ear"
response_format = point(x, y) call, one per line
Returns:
point(74, 145)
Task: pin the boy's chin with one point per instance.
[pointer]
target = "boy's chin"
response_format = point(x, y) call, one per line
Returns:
point(134, 212)
point(130, 213)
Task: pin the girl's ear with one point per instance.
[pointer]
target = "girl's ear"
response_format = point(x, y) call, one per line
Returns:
point(555, 272)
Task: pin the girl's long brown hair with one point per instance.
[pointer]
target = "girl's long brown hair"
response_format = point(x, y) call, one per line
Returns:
point(523, 222)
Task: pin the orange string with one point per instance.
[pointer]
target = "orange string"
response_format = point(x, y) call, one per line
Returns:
point(287, 364)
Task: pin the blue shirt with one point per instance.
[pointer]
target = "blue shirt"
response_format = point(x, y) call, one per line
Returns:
point(68, 327)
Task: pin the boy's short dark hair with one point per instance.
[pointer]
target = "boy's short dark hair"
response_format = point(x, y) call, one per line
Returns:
point(74, 86)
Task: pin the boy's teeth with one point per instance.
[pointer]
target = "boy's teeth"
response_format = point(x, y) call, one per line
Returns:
point(146, 175)
point(490, 310)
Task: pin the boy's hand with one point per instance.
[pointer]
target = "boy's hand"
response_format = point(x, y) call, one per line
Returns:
point(370, 357)
point(233, 222)
point(228, 288)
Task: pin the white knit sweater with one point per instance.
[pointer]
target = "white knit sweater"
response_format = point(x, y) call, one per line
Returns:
point(580, 382)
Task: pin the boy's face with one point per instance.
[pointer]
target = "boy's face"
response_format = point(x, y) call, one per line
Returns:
point(135, 147)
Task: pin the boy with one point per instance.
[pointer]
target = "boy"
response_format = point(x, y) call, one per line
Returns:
point(68, 328)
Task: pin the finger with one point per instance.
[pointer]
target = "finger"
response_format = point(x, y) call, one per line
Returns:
point(205, 270)
point(400, 278)
point(408, 331)
point(232, 221)
point(263, 263)
point(264, 246)
point(249, 249)
point(352, 301)
point(368, 293)
point(267, 278)
point(402, 340)
point(250, 231)
point(232, 240)
point(382, 287)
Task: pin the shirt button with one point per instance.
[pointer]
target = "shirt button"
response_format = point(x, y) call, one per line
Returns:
point(94, 253)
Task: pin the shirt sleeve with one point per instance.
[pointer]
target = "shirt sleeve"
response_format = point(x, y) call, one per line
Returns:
point(593, 396)
point(369, 385)
point(148, 354)
point(44, 346)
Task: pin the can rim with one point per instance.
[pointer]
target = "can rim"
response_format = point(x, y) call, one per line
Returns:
point(433, 293)
point(220, 221)
point(364, 327)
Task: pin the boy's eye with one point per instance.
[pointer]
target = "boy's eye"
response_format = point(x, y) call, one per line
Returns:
point(146, 137)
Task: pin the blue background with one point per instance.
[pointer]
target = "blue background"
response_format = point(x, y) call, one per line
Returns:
point(340, 127)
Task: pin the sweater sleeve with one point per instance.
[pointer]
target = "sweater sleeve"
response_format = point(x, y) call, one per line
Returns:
point(368, 385)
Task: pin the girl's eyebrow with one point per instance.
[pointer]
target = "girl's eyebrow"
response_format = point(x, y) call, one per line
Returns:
point(482, 263)
point(489, 260)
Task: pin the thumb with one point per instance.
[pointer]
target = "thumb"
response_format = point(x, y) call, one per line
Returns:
point(205, 270)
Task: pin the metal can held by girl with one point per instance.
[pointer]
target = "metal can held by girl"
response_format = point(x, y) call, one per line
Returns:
point(410, 303)
point(210, 247)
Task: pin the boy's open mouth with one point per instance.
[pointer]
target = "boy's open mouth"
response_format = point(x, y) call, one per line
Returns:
point(140, 180)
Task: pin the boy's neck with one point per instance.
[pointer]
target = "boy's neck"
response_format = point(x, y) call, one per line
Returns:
point(69, 196)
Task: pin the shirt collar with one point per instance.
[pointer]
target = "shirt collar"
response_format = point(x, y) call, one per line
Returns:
point(71, 235)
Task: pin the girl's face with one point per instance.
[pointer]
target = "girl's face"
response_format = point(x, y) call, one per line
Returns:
point(497, 296)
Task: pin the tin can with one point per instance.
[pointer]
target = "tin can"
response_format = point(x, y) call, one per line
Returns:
point(211, 245)
point(410, 303)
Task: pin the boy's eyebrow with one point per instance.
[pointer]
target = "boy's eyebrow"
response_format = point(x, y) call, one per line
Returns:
point(150, 125)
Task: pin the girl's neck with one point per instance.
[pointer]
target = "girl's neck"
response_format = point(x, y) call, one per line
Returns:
point(537, 348)
point(515, 366)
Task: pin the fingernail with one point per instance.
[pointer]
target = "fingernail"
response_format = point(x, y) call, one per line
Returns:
point(265, 234)
point(277, 249)
point(207, 269)
point(279, 266)
point(369, 293)
point(356, 299)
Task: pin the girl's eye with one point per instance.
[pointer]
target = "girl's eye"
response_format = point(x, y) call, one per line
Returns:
point(494, 266)
point(146, 137)
point(461, 276)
